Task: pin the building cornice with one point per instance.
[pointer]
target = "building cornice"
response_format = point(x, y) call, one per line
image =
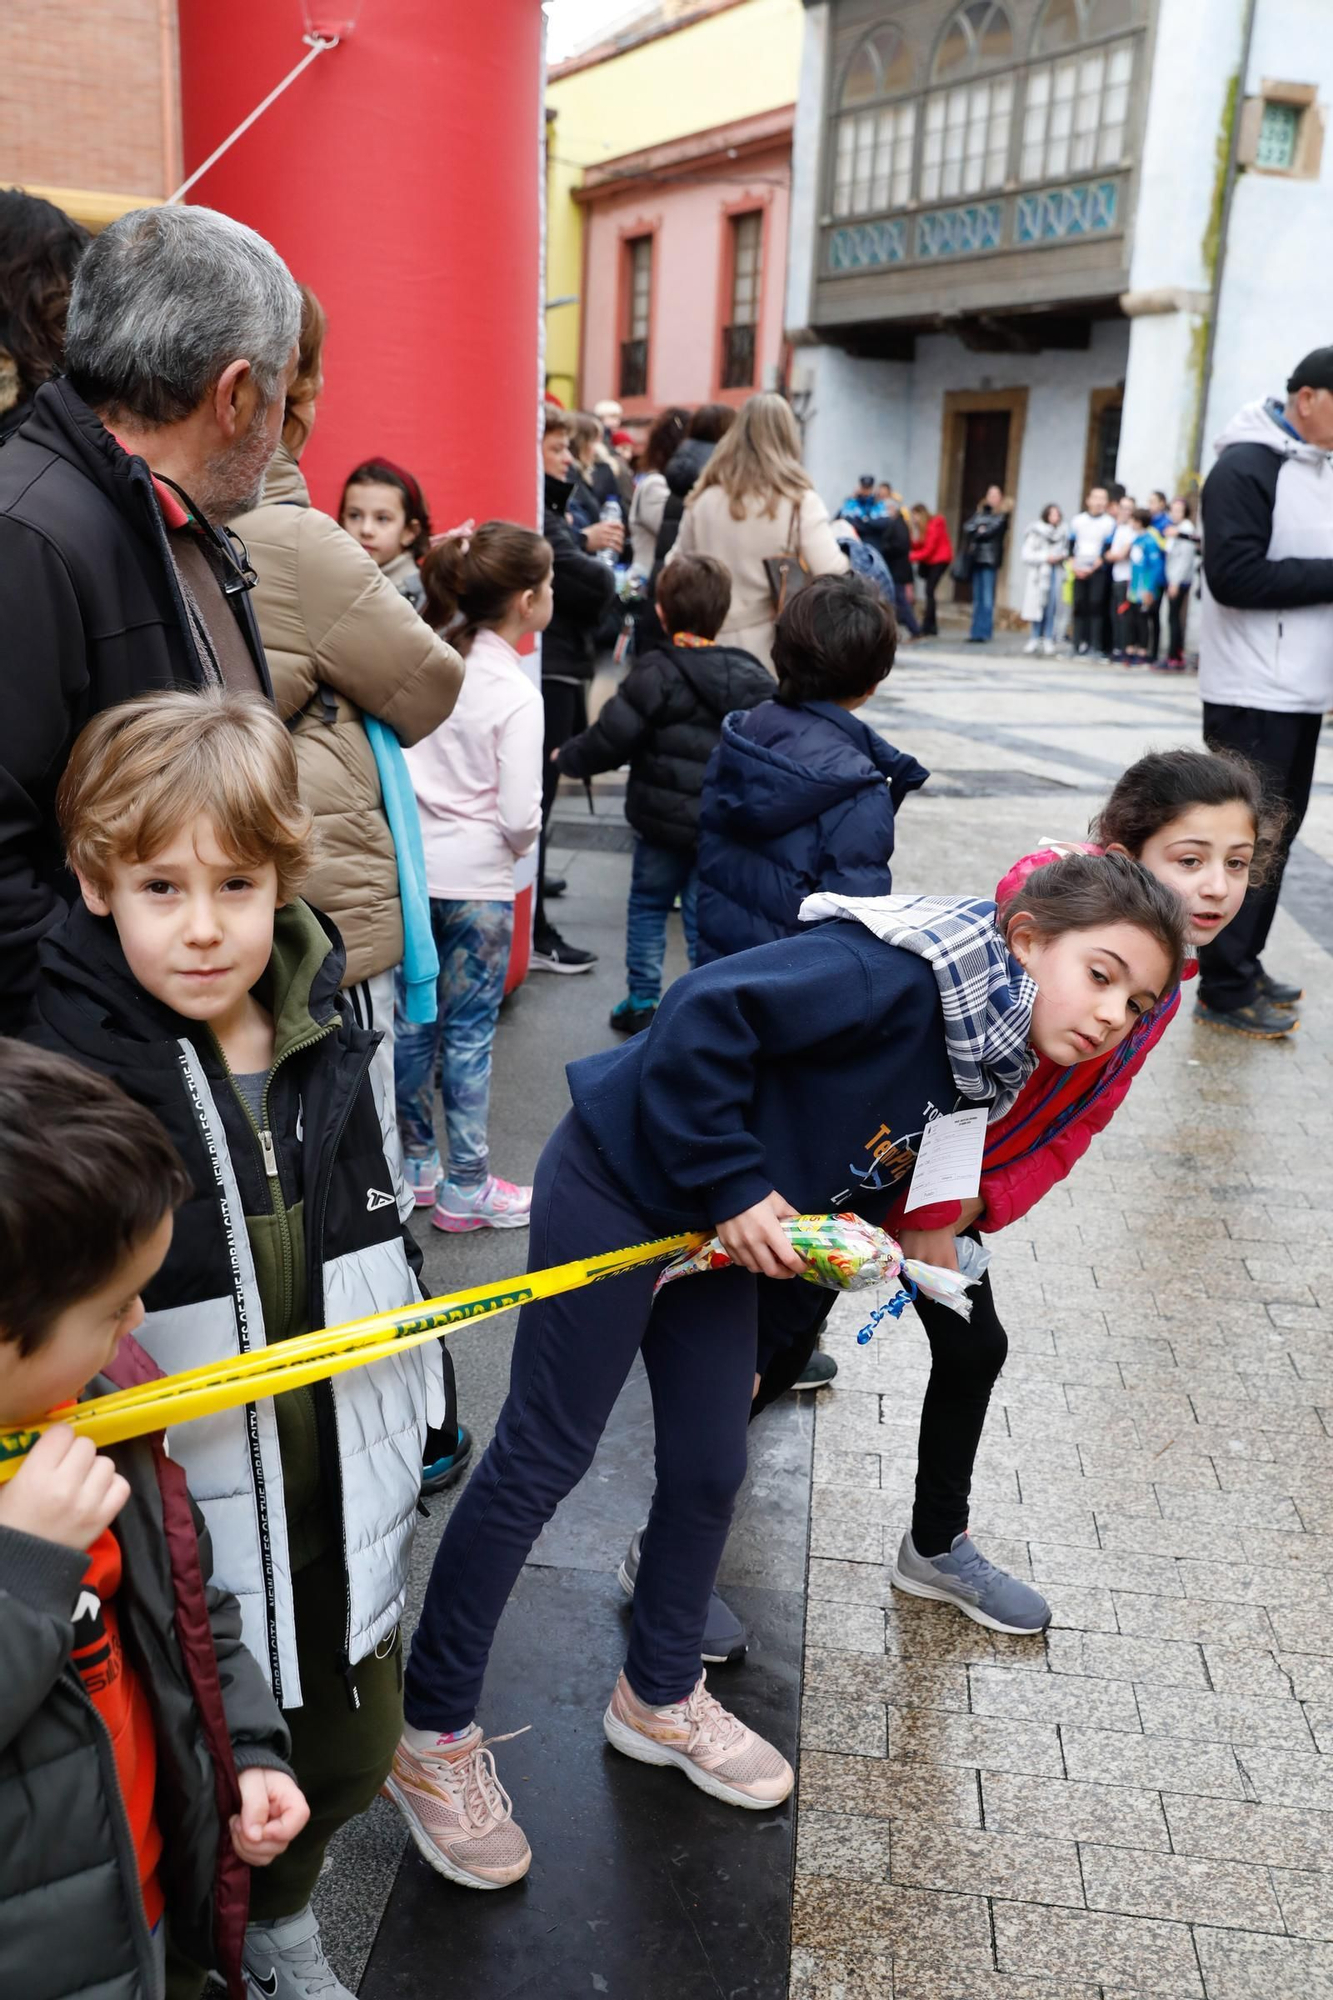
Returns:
point(619, 45)
point(737, 140)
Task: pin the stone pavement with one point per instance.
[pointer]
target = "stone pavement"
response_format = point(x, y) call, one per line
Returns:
point(1141, 1802)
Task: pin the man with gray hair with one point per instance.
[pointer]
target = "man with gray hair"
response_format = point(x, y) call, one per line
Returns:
point(117, 573)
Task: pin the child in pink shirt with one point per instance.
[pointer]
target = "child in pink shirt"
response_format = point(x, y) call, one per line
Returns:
point(477, 780)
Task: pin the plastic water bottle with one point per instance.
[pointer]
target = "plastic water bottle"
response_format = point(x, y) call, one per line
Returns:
point(611, 511)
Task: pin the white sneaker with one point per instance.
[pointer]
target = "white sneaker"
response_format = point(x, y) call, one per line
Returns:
point(1032, 646)
point(1049, 648)
point(285, 1961)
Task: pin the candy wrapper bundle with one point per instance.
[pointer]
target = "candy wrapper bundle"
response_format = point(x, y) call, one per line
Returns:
point(844, 1253)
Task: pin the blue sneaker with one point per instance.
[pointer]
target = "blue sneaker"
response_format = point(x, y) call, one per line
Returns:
point(423, 1173)
point(437, 1473)
point(965, 1579)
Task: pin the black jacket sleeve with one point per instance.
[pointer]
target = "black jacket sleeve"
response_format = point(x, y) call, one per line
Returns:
point(583, 586)
point(39, 1582)
point(619, 729)
point(43, 673)
point(1238, 499)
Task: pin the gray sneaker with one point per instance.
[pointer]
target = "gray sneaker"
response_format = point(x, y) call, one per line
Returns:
point(724, 1635)
point(285, 1961)
point(964, 1578)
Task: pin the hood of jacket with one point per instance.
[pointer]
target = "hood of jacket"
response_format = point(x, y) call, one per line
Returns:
point(779, 766)
point(1257, 424)
point(985, 995)
point(685, 464)
point(93, 999)
point(284, 482)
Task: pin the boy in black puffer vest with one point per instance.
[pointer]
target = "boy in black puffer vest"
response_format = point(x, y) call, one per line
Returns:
point(665, 721)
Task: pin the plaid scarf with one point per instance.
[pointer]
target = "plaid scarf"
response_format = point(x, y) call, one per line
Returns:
point(986, 996)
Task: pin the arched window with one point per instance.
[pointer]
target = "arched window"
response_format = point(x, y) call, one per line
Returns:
point(873, 159)
point(965, 145)
point(1075, 111)
point(978, 36)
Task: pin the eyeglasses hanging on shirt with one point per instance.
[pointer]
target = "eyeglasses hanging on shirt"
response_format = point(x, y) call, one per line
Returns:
point(238, 572)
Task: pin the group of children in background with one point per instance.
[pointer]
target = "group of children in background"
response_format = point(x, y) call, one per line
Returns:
point(220, 1678)
point(1120, 564)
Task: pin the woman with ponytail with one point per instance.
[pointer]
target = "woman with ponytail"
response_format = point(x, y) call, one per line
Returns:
point(478, 784)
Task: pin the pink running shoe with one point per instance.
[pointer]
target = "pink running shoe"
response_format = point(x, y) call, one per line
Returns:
point(458, 1813)
point(713, 1748)
point(495, 1204)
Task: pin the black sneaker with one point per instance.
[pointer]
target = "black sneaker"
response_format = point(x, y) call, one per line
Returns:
point(1261, 1019)
point(550, 953)
point(554, 886)
point(1276, 993)
point(441, 1469)
point(631, 1017)
point(817, 1373)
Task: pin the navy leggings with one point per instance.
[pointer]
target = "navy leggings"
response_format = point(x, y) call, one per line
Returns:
point(571, 1358)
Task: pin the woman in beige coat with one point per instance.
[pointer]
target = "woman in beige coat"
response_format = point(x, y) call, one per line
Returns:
point(341, 642)
point(754, 499)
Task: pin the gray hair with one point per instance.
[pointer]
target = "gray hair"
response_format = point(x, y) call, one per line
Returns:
point(164, 300)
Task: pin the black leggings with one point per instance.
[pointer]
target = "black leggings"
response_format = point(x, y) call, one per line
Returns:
point(966, 1356)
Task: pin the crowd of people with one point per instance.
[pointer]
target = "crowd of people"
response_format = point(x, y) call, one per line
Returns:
point(1096, 585)
point(267, 775)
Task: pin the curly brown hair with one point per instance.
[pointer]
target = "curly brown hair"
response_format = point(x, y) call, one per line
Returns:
point(40, 248)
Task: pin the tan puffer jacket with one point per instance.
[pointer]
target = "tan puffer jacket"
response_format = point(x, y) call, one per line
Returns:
point(341, 640)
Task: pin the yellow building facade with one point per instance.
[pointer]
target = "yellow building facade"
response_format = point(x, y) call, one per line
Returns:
point(717, 65)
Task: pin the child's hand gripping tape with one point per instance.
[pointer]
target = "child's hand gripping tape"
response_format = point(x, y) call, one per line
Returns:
point(844, 1253)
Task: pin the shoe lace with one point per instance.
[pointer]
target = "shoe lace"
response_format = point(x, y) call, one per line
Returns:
point(472, 1783)
point(712, 1727)
point(976, 1567)
point(307, 1961)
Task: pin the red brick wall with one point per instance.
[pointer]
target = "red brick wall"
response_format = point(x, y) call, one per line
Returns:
point(89, 94)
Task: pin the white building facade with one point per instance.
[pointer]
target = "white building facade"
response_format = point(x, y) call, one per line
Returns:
point(1047, 242)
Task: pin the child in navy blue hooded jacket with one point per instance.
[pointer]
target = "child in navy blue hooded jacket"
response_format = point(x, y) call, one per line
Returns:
point(800, 793)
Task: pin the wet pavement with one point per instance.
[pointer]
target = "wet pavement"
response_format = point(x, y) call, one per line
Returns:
point(1142, 1801)
point(1139, 1803)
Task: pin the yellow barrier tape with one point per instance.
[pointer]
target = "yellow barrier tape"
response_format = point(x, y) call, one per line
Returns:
point(312, 1357)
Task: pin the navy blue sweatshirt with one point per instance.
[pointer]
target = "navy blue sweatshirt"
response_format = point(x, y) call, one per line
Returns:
point(797, 797)
point(804, 1066)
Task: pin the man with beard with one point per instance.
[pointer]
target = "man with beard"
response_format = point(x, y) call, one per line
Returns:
point(117, 574)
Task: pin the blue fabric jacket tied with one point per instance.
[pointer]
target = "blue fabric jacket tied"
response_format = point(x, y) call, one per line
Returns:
point(797, 798)
point(421, 961)
point(985, 994)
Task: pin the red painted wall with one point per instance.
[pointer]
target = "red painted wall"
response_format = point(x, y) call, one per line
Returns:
point(400, 177)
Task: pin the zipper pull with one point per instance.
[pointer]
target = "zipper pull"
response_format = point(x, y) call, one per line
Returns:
point(349, 1678)
point(270, 1156)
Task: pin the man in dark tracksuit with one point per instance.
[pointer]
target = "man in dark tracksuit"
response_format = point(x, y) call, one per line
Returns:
point(584, 590)
point(1266, 653)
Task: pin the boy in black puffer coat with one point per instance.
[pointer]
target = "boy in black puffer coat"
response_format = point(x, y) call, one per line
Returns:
point(801, 795)
point(665, 721)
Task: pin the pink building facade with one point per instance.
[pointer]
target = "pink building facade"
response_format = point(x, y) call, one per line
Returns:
point(685, 262)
